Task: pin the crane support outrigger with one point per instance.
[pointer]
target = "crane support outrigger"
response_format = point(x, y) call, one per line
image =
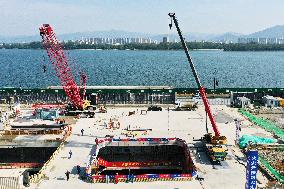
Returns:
point(216, 150)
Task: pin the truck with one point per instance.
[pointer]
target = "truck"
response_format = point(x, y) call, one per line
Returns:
point(185, 106)
point(215, 147)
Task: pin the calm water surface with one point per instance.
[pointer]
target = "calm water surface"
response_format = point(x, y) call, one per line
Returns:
point(24, 68)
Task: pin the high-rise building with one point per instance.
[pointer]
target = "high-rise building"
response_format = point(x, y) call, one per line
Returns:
point(280, 41)
point(243, 40)
point(252, 40)
point(262, 40)
point(271, 40)
point(165, 39)
point(116, 41)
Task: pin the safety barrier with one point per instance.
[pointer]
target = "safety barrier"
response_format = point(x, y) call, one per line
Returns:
point(267, 125)
point(102, 142)
point(39, 132)
point(19, 165)
point(38, 105)
point(142, 178)
point(276, 174)
point(136, 178)
point(41, 174)
point(105, 163)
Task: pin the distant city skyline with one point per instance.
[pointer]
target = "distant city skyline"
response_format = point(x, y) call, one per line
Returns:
point(23, 17)
point(116, 41)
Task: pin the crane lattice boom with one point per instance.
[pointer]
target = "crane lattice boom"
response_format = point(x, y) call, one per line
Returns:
point(60, 64)
point(83, 82)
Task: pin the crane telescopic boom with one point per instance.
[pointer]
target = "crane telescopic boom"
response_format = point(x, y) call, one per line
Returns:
point(200, 87)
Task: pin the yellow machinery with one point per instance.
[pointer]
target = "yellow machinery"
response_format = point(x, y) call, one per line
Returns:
point(87, 105)
point(215, 146)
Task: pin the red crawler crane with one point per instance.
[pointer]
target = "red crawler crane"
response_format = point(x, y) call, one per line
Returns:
point(62, 69)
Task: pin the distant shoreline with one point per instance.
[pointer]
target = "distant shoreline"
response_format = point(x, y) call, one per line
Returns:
point(196, 46)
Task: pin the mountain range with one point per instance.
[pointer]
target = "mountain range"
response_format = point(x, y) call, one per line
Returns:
point(276, 31)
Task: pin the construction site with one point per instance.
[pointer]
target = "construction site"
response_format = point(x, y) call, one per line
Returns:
point(73, 135)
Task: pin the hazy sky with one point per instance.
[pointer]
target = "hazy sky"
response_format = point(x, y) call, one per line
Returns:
point(23, 17)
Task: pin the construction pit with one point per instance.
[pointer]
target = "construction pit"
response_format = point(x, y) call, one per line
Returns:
point(26, 146)
point(157, 127)
point(141, 159)
point(25, 154)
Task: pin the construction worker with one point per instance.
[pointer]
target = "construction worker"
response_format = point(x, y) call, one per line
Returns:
point(70, 154)
point(78, 169)
point(107, 179)
point(67, 175)
point(116, 178)
point(131, 178)
point(82, 132)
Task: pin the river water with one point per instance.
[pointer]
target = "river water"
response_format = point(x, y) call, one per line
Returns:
point(24, 68)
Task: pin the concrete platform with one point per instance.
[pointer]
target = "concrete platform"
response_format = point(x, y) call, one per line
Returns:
point(188, 125)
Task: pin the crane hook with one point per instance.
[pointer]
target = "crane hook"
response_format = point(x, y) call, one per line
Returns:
point(44, 68)
point(171, 24)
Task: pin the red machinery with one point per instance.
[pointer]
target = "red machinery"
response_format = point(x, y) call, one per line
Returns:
point(62, 69)
point(214, 144)
point(83, 82)
point(48, 106)
point(200, 87)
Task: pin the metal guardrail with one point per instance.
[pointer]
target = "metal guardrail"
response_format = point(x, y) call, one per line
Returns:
point(270, 170)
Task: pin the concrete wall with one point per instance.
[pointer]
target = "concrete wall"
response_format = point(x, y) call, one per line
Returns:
point(25, 154)
point(103, 98)
point(136, 98)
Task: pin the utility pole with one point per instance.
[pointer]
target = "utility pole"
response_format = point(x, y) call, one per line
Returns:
point(238, 129)
point(168, 119)
point(215, 80)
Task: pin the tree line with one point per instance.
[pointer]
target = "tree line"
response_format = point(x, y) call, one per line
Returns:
point(161, 46)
